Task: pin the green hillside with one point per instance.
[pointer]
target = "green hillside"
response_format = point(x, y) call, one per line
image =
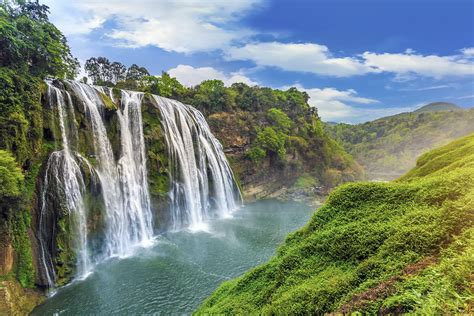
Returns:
point(438, 107)
point(404, 246)
point(389, 147)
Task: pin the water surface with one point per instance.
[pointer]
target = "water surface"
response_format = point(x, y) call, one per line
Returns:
point(182, 268)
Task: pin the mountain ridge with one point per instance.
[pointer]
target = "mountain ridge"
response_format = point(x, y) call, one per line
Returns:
point(438, 107)
point(388, 147)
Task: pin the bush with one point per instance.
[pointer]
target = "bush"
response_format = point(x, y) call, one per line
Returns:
point(272, 141)
point(279, 119)
point(11, 178)
point(257, 154)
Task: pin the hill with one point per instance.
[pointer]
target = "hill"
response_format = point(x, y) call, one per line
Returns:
point(388, 147)
point(438, 107)
point(404, 246)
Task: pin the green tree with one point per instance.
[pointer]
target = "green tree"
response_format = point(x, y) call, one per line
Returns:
point(165, 86)
point(272, 141)
point(212, 96)
point(279, 119)
point(136, 73)
point(30, 42)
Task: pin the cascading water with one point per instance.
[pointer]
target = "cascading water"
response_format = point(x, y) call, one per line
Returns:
point(202, 183)
point(194, 152)
point(124, 184)
point(63, 169)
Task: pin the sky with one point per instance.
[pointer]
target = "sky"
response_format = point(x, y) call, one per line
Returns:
point(357, 59)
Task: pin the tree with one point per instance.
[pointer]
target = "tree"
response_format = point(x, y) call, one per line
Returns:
point(31, 49)
point(213, 96)
point(29, 41)
point(272, 141)
point(99, 70)
point(165, 86)
point(117, 72)
point(136, 73)
point(279, 119)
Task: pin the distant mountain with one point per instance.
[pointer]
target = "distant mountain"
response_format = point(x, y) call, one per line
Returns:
point(439, 107)
point(389, 146)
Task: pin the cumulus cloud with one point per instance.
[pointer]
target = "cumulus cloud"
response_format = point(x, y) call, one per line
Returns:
point(305, 57)
point(468, 51)
point(171, 25)
point(191, 26)
point(190, 76)
point(412, 64)
point(315, 58)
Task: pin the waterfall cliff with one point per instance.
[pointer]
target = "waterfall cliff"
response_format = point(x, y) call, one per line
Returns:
point(94, 201)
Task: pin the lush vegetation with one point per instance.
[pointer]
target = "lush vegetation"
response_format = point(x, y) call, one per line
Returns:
point(268, 128)
point(404, 246)
point(389, 146)
point(31, 49)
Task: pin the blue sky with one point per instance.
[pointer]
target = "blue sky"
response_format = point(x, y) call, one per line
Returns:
point(358, 60)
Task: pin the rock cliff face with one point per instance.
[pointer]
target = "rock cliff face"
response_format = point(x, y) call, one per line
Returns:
point(309, 155)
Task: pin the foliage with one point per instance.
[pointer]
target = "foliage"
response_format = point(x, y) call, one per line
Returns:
point(165, 86)
point(272, 141)
point(106, 73)
point(306, 181)
point(24, 270)
point(212, 96)
point(279, 120)
point(257, 154)
point(30, 43)
point(391, 145)
point(31, 49)
point(11, 191)
point(11, 178)
point(444, 288)
point(103, 72)
point(282, 129)
point(363, 250)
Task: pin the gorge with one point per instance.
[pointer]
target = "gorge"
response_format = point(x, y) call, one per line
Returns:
point(204, 180)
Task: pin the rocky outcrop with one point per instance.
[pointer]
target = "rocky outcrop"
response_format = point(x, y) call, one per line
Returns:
point(15, 300)
point(274, 177)
point(6, 250)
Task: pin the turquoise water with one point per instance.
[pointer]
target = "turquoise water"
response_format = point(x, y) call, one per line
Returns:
point(182, 268)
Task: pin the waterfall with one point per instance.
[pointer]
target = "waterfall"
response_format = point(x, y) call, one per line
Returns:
point(124, 183)
point(203, 185)
point(64, 171)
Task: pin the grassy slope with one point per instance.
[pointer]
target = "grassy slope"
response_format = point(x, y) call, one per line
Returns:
point(391, 145)
point(393, 247)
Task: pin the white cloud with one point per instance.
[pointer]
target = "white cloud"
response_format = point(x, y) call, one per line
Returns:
point(184, 27)
point(410, 64)
point(466, 97)
point(428, 88)
point(305, 57)
point(190, 76)
point(338, 105)
point(190, 26)
point(468, 51)
point(315, 58)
